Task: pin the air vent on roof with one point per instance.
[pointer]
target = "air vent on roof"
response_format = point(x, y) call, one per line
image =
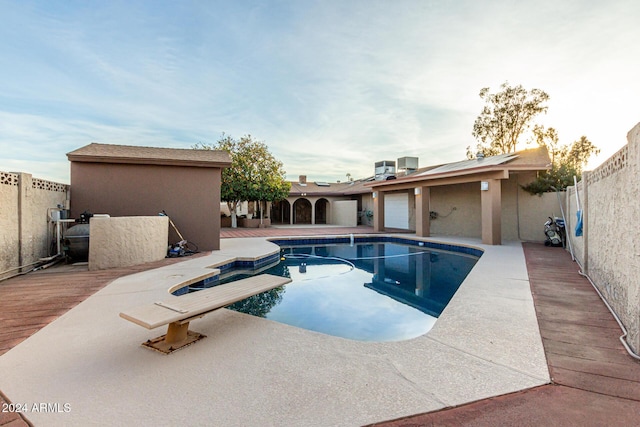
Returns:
point(384, 169)
point(323, 184)
point(408, 165)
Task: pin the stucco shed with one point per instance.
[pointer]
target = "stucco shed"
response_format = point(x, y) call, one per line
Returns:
point(122, 180)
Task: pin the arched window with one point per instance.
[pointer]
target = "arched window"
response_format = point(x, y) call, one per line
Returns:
point(281, 212)
point(302, 211)
point(322, 211)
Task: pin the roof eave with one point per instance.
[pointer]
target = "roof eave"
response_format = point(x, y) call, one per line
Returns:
point(475, 171)
point(146, 161)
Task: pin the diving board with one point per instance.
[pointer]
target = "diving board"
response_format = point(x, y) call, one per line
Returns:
point(178, 311)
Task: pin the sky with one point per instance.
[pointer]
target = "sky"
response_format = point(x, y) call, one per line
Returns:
point(330, 86)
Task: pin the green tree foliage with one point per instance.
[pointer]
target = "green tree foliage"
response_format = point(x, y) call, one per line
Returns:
point(506, 116)
point(566, 161)
point(580, 152)
point(254, 174)
point(261, 304)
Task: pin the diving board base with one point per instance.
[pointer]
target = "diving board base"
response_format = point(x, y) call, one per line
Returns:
point(178, 336)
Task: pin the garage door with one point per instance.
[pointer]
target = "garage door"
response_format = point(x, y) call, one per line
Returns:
point(396, 210)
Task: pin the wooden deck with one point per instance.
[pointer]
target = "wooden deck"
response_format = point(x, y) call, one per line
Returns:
point(32, 301)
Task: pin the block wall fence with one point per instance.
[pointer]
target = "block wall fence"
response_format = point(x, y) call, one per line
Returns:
point(609, 248)
point(26, 234)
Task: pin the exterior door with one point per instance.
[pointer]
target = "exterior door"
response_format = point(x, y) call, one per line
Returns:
point(396, 210)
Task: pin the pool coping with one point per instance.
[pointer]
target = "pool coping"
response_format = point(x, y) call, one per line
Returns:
point(485, 343)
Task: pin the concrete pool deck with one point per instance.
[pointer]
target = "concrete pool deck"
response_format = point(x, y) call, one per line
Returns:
point(252, 371)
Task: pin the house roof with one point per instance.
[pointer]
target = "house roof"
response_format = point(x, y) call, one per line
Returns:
point(470, 164)
point(109, 153)
point(328, 189)
point(535, 159)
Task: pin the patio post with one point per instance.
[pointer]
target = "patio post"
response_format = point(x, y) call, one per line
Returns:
point(423, 200)
point(292, 212)
point(378, 210)
point(491, 199)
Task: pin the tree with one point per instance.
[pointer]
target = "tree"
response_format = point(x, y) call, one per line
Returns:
point(254, 174)
point(549, 138)
point(580, 152)
point(566, 161)
point(261, 304)
point(506, 116)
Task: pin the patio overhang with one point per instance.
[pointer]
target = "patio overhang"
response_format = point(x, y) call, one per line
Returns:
point(488, 174)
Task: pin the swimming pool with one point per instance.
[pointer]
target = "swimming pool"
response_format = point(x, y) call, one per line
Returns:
point(360, 289)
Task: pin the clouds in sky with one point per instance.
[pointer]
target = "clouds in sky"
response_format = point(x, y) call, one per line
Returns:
point(330, 86)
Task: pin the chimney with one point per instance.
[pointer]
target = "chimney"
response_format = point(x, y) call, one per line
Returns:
point(302, 179)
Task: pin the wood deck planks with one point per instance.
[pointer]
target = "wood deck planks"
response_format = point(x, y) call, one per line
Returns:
point(32, 301)
point(579, 334)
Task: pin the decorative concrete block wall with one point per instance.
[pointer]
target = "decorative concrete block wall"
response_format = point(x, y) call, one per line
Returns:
point(612, 244)
point(9, 222)
point(26, 233)
point(125, 241)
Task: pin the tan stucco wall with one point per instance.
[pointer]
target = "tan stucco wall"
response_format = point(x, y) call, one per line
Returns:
point(189, 195)
point(524, 214)
point(344, 212)
point(459, 213)
point(367, 206)
point(609, 248)
point(43, 198)
point(25, 231)
point(613, 240)
point(535, 211)
point(465, 219)
point(9, 222)
point(125, 241)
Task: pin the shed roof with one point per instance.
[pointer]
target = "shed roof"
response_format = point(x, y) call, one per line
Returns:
point(109, 153)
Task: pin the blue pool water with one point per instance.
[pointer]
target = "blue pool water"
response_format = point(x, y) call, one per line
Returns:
point(364, 291)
